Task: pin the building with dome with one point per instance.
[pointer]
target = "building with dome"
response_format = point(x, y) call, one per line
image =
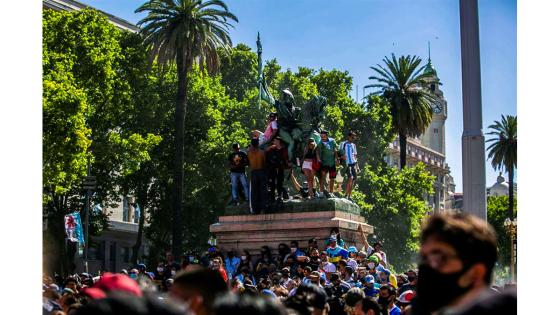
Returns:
point(429, 148)
point(500, 188)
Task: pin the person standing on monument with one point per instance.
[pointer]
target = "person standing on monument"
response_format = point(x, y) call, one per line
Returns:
point(309, 166)
point(327, 156)
point(276, 162)
point(256, 158)
point(349, 158)
point(237, 162)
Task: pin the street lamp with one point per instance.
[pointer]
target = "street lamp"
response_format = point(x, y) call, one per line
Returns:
point(511, 229)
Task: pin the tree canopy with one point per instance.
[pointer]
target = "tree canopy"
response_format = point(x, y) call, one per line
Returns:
point(104, 98)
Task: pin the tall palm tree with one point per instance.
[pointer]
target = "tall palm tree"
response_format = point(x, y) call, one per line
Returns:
point(503, 150)
point(184, 32)
point(403, 83)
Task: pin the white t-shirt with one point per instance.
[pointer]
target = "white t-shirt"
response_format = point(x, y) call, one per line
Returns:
point(329, 267)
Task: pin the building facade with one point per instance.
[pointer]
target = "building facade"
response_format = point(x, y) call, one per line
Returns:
point(429, 149)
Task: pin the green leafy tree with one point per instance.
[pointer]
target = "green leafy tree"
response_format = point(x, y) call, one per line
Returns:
point(238, 68)
point(82, 72)
point(403, 84)
point(498, 211)
point(393, 202)
point(503, 150)
point(184, 32)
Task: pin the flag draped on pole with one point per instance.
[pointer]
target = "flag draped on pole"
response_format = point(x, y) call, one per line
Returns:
point(73, 227)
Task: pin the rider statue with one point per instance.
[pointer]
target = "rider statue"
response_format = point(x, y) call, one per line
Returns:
point(295, 126)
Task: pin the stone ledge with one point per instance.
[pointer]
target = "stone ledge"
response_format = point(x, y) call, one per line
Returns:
point(253, 231)
point(298, 206)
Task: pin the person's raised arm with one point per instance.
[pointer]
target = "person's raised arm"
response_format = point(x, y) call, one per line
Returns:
point(363, 237)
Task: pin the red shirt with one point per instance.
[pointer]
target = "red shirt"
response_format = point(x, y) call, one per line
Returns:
point(223, 274)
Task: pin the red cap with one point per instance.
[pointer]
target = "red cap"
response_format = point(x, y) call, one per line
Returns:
point(406, 296)
point(115, 282)
point(94, 293)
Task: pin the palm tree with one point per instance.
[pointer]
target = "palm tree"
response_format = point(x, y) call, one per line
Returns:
point(184, 32)
point(403, 84)
point(503, 150)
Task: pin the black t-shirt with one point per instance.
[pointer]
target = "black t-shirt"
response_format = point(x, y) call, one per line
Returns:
point(238, 161)
point(277, 158)
point(311, 154)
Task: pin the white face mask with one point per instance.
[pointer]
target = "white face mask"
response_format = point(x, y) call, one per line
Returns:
point(293, 249)
point(371, 265)
point(243, 257)
point(173, 272)
point(160, 269)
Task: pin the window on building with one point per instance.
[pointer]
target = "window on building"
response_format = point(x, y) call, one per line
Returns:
point(125, 209)
point(125, 254)
point(432, 87)
point(436, 130)
point(96, 250)
point(112, 251)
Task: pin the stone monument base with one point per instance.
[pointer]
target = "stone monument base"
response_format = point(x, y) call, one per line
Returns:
point(299, 220)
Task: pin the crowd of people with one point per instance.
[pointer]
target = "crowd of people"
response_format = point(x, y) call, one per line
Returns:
point(453, 276)
point(268, 159)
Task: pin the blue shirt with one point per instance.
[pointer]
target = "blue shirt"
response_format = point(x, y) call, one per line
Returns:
point(232, 265)
point(395, 310)
point(337, 253)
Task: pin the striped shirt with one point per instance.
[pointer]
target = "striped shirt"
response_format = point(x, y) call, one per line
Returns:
point(350, 152)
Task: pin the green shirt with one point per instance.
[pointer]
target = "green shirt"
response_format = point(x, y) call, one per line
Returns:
point(327, 152)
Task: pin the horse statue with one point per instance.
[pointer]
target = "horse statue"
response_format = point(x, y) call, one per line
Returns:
point(295, 125)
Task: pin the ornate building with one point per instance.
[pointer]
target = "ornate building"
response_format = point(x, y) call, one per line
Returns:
point(429, 148)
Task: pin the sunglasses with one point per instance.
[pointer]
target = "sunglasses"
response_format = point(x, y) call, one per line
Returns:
point(437, 259)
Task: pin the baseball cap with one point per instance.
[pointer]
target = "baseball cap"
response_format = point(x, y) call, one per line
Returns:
point(406, 296)
point(113, 282)
point(370, 279)
point(68, 290)
point(373, 258)
point(352, 249)
point(315, 275)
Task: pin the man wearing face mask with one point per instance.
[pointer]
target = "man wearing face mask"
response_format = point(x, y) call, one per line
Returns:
point(458, 253)
point(387, 297)
point(294, 248)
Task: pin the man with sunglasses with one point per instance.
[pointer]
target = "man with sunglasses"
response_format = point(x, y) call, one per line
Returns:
point(457, 256)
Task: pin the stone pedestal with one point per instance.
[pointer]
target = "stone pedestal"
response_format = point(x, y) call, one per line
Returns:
point(299, 220)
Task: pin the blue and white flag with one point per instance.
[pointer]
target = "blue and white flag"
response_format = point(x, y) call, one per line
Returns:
point(73, 227)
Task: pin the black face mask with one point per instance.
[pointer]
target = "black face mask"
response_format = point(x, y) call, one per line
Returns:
point(436, 289)
point(411, 278)
point(383, 301)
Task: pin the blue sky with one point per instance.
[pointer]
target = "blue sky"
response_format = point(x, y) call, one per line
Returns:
point(354, 35)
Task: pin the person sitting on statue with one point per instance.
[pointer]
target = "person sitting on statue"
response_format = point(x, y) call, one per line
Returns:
point(270, 131)
point(309, 159)
point(327, 156)
point(276, 162)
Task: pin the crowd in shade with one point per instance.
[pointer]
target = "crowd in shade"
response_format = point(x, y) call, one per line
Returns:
point(453, 276)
